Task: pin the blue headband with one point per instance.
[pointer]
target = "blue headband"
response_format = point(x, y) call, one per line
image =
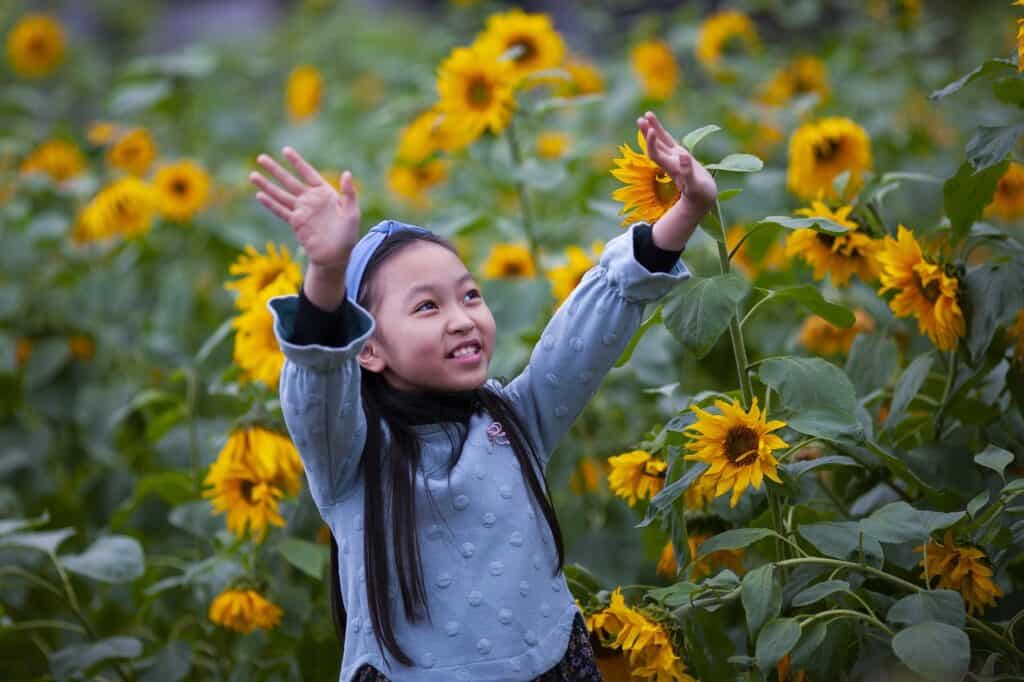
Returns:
point(366, 247)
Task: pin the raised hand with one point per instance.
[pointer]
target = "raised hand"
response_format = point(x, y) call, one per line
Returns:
point(692, 179)
point(325, 221)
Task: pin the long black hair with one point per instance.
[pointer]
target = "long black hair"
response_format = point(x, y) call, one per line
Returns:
point(400, 410)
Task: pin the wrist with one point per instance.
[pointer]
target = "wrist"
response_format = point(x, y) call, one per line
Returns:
point(325, 285)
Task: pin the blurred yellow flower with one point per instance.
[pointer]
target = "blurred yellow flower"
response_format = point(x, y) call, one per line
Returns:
point(367, 90)
point(655, 66)
point(183, 188)
point(257, 352)
point(963, 569)
point(821, 150)
point(303, 92)
point(649, 191)
point(552, 144)
point(411, 182)
point(536, 44)
point(134, 152)
point(737, 446)
point(509, 261)
point(705, 566)
point(924, 290)
point(804, 75)
point(81, 347)
point(772, 260)
point(564, 278)
point(271, 455)
point(1008, 202)
point(721, 32)
point(1015, 335)
point(59, 159)
point(100, 133)
point(126, 207)
point(258, 271)
point(636, 475)
point(477, 90)
point(585, 78)
point(820, 336)
point(585, 476)
point(35, 45)
point(244, 611)
point(841, 255)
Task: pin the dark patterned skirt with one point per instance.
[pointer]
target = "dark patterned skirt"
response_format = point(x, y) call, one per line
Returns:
point(578, 664)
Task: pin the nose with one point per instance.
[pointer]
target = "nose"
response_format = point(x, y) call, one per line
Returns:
point(460, 322)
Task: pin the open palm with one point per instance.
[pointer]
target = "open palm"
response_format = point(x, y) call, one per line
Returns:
point(691, 178)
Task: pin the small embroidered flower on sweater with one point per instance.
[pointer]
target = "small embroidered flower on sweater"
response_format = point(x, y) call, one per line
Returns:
point(496, 434)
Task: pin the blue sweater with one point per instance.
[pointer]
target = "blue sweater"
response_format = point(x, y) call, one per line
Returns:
point(497, 611)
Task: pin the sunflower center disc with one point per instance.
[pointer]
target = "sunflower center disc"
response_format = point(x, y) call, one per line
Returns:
point(740, 444)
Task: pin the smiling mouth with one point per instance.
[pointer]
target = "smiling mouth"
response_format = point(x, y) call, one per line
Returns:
point(469, 352)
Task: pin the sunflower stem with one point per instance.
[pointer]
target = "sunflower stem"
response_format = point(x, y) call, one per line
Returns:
point(950, 376)
point(739, 349)
point(524, 198)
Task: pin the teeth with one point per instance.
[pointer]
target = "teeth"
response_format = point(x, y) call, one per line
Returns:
point(466, 350)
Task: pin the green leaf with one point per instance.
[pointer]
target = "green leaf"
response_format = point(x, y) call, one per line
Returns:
point(995, 458)
point(976, 503)
point(992, 144)
point(810, 639)
point(820, 224)
point(843, 540)
point(995, 292)
point(777, 639)
point(734, 539)
point(712, 225)
point(1009, 90)
point(693, 138)
point(817, 395)
point(935, 650)
point(215, 339)
point(942, 606)
point(675, 595)
point(761, 595)
point(899, 522)
point(907, 387)
point(172, 664)
point(173, 487)
point(727, 194)
point(43, 541)
point(738, 163)
point(654, 319)
point(47, 359)
point(798, 469)
point(699, 310)
point(667, 495)
point(8, 526)
point(583, 583)
point(988, 68)
point(79, 658)
point(135, 98)
point(808, 296)
point(306, 556)
point(111, 559)
point(820, 591)
point(873, 359)
point(966, 194)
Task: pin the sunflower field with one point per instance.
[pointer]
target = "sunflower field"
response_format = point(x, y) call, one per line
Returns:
point(808, 464)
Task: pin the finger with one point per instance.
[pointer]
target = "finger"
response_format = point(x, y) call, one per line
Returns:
point(283, 176)
point(348, 187)
point(662, 133)
point(653, 150)
point(276, 208)
point(686, 164)
point(306, 171)
point(284, 198)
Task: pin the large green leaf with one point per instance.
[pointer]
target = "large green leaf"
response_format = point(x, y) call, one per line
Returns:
point(899, 522)
point(843, 540)
point(818, 396)
point(777, 638)
point(306, 556)
point(111, 559)
point(992, 144)
point(738, 163)
point(820, 591)
point(986, 69)
point(814, 223)
point(995, 292)
point(761, 595)
point(693, 138)
point(935, 650)
point(73, 661)
point(872, 360)
point(700, 309)
point(967, 193)
point(907, 388)
point(736, 538)
point(43, 541)
point(942, 606)
point(808, 296)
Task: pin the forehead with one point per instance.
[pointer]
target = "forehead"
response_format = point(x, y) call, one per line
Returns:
point(420, 263)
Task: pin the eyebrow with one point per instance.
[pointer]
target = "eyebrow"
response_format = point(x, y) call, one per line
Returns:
point(431, 287)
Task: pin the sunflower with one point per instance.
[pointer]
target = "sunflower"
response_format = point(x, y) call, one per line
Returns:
point(35, 45)
point(257, 352)
point(924, 290)
point(183, 189)
point(1015, 335)
point(1008, 202)
point(420, 140)
point(303, 92)
point(552, 144)
point(655, 66)
point(258, 271)
point(535, 42)
point(821, 150)
point(820, 336)
point(840, 255)
point(244, 610)
point(705, 566)
point(649, 191)
point(250, 500)
point(272, 456)
point(477, 90)
point(737, 446)
point(585, 476)
point(509, 261)
point(647, 642)
point(100, 133)
point(126, 207)
point(585, 78)
point(564, 278)
point(636, 475)
point(133, 152)
point(960, 568)
point(804, 75)
point(411, 182)
point(773, 259)
point(58, 159)
point(723, 31)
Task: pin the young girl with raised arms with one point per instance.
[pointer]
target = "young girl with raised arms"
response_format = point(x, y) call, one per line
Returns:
point(446, 555)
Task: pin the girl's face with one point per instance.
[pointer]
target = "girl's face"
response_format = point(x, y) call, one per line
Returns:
point(429, 307)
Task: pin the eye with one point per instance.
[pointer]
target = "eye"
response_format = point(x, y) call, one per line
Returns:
point(475, 293)
point(420, 306)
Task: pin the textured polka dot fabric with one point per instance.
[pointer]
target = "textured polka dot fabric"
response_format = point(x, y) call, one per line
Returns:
point(498, 610)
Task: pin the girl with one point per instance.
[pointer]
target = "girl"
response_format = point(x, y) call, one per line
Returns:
point(429, 474)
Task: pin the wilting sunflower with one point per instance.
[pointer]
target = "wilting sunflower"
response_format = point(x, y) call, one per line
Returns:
point(272, 456)
point(257, 352)
point(509, 261)
point(820, 336)
point(126, 207)
point(705, 566)
point(821, 150)
point(564, 278)
point(552, 144)
point(477, 90)
point(965, 569)
point(183, 189)
point(646, 641)
point(133, 152)
point(58, 159)
point(411, 182)
point(303, 92)
point(655, 66)
point(636, 475)
point(1008, 202)
point(585, 476)
point(35, 45)
point(250, 500)
point(536, 44)
point(244, 610)
point(924, 290)
point(737, 446)
point(649, 191)
point(258, 271)
point(722, 32)
point(1015, 334)
point(840, 255)
point(585, 78)
point(804, 75)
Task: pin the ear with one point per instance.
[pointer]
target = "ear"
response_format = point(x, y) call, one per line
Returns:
point(370, 358)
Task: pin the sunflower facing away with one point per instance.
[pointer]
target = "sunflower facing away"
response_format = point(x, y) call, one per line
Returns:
point(257, 352)
point(509, 261)
point(431, 131)
point(35, 46)
point(649, 191)
point(244, 610)
point(705, 566)
point(721, 33)
point(564, 278)
point(552, 144)
point(58, 159)
point(964, 569)
point(536, 44)
point(840, 255)
point(303, 92)
point(258, 271)
point(182, 189)
point(636, 475)
point(737, 446)
point(133, 152)
point(1008, 201)
point(820, 336)
point(477, 90)
point(802, 76)
point(655, 66)
point(821, 150)
point(924, 290)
